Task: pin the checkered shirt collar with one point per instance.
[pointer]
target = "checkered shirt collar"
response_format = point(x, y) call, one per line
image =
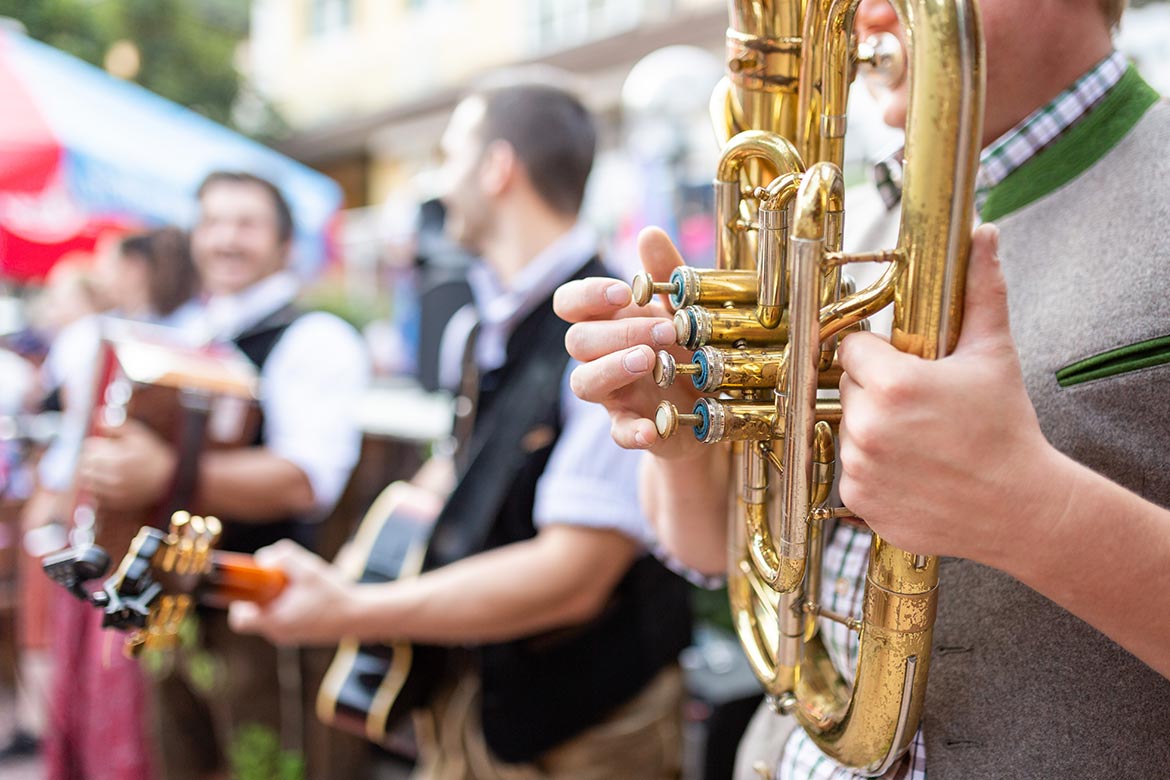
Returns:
point(1043, 126)
point(1036, 132)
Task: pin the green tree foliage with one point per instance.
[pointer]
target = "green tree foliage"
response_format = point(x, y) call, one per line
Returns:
point(187, 48)
point(256, 755)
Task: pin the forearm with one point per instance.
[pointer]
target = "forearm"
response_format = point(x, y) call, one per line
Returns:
point(252, 485)
point(1104, 555)
point(506, 593)
point(686, 501)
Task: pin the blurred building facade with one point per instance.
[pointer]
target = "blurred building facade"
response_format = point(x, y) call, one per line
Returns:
point(367, 84)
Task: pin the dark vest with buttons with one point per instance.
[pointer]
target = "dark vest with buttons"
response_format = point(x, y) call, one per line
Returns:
point(257, 344)
point(543, 690)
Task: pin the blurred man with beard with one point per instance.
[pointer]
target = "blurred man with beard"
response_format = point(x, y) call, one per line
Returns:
point(312, 369)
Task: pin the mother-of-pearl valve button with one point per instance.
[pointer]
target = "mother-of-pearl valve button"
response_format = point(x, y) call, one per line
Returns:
point(667, 419)
point(667, 369)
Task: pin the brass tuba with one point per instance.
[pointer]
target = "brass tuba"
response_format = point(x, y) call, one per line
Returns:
point(765, 322)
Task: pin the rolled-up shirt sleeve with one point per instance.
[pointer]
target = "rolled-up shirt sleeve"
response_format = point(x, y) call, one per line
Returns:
point(589, 480)
point(311, 387)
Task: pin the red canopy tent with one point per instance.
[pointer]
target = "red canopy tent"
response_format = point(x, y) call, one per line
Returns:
point(83, 153)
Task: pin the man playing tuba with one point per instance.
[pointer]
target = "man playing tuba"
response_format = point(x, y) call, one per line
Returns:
point(1030, 456)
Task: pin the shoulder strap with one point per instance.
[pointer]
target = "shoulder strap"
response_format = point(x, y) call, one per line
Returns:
point(495, 453)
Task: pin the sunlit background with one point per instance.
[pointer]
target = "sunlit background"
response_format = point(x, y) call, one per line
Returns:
point(112, 111)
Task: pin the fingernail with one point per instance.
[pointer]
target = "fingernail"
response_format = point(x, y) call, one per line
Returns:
point(663, 333)
point(995, 242)
point(636, 361)
point(640, 440)
point(617, 295)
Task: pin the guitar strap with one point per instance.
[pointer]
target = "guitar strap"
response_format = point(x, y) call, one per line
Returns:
point(467, 401)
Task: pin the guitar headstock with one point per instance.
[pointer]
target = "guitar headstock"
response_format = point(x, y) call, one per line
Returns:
point(154, 587)
point(162, 575)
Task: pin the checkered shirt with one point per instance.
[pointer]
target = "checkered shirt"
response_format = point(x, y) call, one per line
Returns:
point(843, 588)
point(1035, 133)
point(1045, 125)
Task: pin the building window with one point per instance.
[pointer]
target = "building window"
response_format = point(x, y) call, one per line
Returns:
point(329, 16)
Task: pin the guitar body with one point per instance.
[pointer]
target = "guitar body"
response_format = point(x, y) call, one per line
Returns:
point(370, 689)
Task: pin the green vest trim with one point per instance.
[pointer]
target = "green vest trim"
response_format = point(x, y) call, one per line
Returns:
point(1132, 357)
point(1076, 151)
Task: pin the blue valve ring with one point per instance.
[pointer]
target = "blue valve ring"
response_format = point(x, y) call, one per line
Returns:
point(700, 379)
point(704, 426)
point(680, 289)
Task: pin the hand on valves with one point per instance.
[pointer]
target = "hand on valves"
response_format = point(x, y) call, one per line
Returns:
point(616, 342)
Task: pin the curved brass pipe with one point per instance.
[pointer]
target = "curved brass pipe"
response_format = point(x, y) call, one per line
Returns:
point(822, 191)
point(771, 268)
point(872, 726)
point(772, 155)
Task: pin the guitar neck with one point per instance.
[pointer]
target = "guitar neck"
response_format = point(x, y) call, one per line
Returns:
point(237, 577)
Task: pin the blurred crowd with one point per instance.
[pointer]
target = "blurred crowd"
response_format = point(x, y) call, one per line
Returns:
point(77, 473)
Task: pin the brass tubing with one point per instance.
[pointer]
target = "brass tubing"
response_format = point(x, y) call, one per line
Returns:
point(736, 369)
point(771, 268)
point(821, 191)
point(755, 499)
point(808, 139)
point(711, 287)
point(740, 421)
point(850, 312)
point(870, 728)
point(698, 326)
point(714, 369)
point(775, 156)
point(938, 199)
point(768, 623)
point(837, 72)
point(736, 420)
point(763, 59)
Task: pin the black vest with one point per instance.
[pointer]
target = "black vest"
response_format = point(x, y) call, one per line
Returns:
point(540, 691)
point(257, 344)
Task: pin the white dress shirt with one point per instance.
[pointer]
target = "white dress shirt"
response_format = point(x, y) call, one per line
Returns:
point(310, 386)
point(589, 480)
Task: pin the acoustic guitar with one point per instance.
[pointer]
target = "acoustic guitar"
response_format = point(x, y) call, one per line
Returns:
point(370, 689)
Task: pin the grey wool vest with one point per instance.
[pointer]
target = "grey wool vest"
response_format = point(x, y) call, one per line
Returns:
point(1019, 688)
